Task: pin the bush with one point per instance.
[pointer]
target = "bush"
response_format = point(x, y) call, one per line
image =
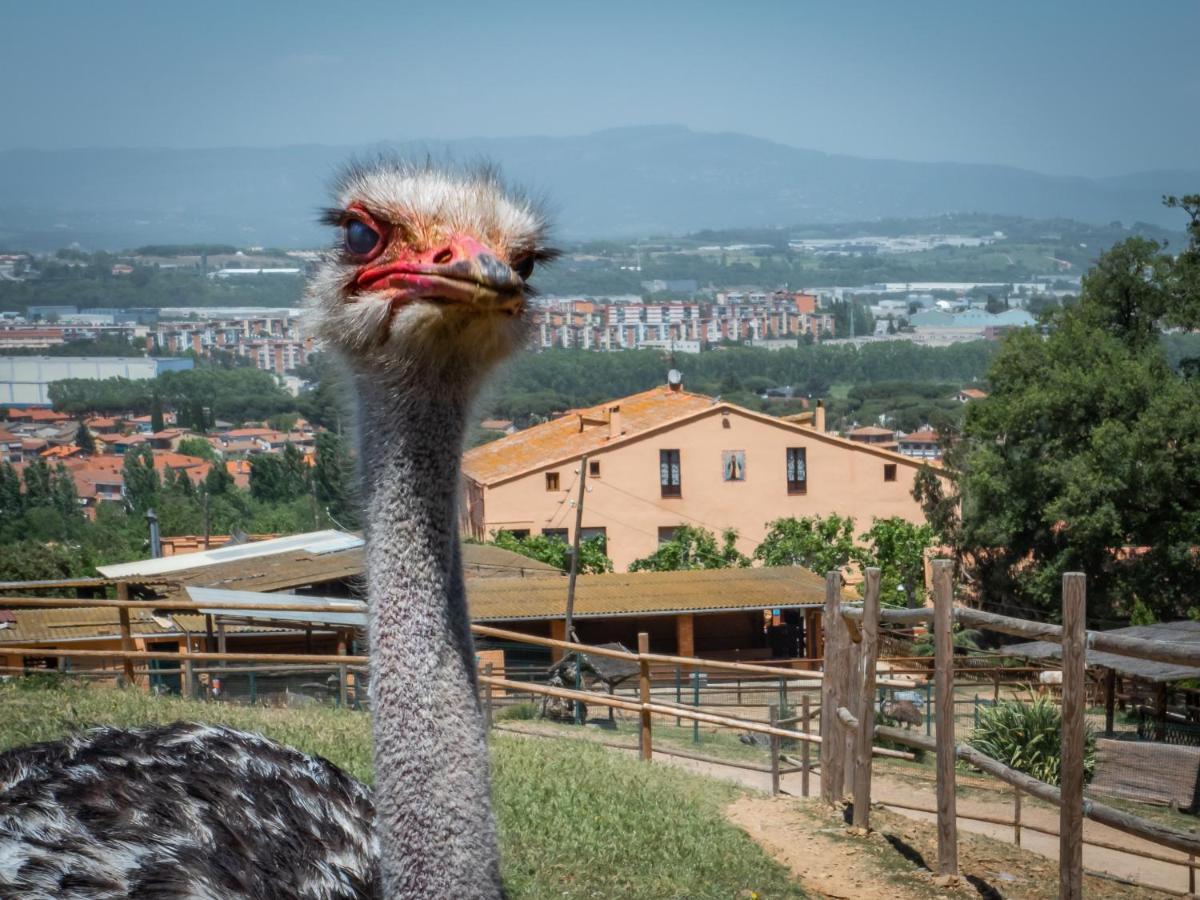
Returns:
point(1028, 737)
point(520, 711)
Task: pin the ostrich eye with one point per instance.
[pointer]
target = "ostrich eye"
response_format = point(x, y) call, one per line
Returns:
point(361, 238)
point(523, 267)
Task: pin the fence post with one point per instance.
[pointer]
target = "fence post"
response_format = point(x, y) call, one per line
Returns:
point(774, 752)
point(848, 697)
point(805, 745)
point(126, 633)
point(866, 707)
point(342, 672)
point(1017, 816)
point(678, 692)
point(645, 740)
point(928, 711)
point(943, 642)
point(1074, 693)
point(253, 689)
point(696, 705)
point(487, 698)
point(831, 735)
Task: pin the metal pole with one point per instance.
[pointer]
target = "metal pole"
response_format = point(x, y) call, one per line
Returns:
point(774, 752)
point(696, 704)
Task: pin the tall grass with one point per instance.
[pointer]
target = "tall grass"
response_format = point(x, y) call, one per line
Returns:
point(575, 821)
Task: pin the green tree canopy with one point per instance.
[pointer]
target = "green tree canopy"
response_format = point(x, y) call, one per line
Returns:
point(141, 480)
point(1086, 455)
point(692, 547)
point(813, 542)
point(556, 552)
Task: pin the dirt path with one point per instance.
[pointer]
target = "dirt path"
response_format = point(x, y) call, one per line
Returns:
point(823, 864)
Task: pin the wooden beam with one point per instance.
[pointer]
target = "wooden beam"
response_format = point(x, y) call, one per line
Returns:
point(1110, 700)
point(645, 741)
point(1074, 695)
point(865, 736)
point(831, 769)
point(685, 634)
point(126, 633)
point(943, 597)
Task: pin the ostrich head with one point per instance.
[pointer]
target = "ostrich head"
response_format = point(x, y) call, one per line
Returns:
point(430, 273)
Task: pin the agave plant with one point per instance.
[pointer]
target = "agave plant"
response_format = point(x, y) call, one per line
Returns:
point(1028, 737)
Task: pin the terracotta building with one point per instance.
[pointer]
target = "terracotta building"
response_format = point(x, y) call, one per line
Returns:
point(667, 457)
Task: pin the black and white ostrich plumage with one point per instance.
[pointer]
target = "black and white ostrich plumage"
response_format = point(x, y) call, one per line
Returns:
point(181, 811)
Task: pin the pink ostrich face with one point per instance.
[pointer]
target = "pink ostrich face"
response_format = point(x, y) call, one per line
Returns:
point(430, 264)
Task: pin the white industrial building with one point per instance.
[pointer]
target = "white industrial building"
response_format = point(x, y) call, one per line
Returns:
point(25, 380)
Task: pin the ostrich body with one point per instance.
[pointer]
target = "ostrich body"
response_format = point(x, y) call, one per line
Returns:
point(182, 810)
point(423, 298)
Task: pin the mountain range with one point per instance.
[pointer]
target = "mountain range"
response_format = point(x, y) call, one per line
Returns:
point(626, 182)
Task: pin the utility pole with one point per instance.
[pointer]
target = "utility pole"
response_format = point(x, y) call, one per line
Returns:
point(570, 623)
point(206, 521)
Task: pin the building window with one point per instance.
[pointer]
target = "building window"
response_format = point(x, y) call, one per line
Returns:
point(552, 481)
point(519, 533)
point(601, 532)
point(666, 533)
point(889, 471)
point(797, 470)
point(733, 465)
point(556, 534)
point(593, 468)
point(668, 473)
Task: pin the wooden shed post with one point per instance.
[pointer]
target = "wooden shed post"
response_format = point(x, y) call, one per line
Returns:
point(865, 735)
point(943, 642)
point(1110, 700)
point(645, 740)
point(831, 734)
point(775, 747)
point(805, 764)
point(487, 698)
point(126, 633)
point(342, 671)
point(1074, 695)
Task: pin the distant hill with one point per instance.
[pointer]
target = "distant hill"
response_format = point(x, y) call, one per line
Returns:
point(617, 183)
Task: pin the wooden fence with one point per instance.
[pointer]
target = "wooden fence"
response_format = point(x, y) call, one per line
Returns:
point(846, 711)
point(848, 695)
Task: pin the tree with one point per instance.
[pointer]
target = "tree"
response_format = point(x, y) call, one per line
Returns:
point(38, 491)
point(1086, 454)
point(692, 547)
point(65, 497)
point(156, 414)
point(12, 505)
point(141, 480)
point(278, 477)
point(555, 551)
point(333, 480)
point(84, 440)
point(898, 547)
point(218, 481)
point(820, 544)
point(197, 446)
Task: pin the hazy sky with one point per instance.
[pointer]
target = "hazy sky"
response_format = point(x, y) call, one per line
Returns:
point(1090, 88)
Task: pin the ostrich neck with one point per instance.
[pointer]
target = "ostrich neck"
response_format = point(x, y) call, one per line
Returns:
point(433, 805)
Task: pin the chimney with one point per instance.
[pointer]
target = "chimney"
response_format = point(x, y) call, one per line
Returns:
point(614, 422)
point(675, 381)
point(819, 416)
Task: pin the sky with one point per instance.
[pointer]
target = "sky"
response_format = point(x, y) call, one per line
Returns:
point(1081, 88)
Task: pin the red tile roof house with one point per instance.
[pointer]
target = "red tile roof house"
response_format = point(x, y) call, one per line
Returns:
point(924, 443)
point(966, 395)
point(10, 447)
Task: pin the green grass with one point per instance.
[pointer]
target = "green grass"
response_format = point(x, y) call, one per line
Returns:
point(576, 821)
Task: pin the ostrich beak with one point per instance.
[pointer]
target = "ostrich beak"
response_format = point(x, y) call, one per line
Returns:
point(463, 271)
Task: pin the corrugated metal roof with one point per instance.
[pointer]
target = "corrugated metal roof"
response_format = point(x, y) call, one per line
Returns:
point(89, 624)
point(596, 596)
point(301, 559)
point(646, 593)
point(356, 617)
point(1184, 631)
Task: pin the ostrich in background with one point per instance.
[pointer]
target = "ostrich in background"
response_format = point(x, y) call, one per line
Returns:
point(423, 297)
